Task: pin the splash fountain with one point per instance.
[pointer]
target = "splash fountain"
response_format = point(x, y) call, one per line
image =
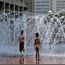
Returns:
point(50, 27)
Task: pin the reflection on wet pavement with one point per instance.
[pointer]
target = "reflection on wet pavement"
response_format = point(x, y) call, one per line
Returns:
point(21, 60)
point(32, 60)
point(37, 61)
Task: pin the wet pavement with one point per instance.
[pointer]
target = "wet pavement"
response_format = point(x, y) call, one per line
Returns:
point(32, 60)
point(54, 55)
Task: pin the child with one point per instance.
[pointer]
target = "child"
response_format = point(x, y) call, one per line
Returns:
point(37, 45)
point(21, 42)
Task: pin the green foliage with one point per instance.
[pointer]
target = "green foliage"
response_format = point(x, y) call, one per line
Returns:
point(50, 15)
point(48, 18)
point(56, 15)
point(45, 21)
point(62, 14)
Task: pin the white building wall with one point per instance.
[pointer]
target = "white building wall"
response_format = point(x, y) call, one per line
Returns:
point(58, 5)
point(54, 5)
point(43, 6)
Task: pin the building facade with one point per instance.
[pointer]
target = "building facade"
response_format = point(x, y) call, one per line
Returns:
point(58, 5)
point(42, 6)
point(34, 6)
point(12, 5)
point(30, 5)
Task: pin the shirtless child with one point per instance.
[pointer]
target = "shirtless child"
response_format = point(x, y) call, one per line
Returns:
point(37, 45)
point(21, 41)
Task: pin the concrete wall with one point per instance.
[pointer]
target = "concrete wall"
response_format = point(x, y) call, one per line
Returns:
point(58, 5)
point(54, 5)
point(17, 2)
point(30, 5)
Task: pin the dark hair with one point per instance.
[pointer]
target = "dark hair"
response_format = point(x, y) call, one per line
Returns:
point(22, 32)
point(37, 34)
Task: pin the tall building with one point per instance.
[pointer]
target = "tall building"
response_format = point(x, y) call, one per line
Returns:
point(12, 5)
point(17, 5)
point(34, 6)
point(30, 5)
point(57, 5)
point(42, 6)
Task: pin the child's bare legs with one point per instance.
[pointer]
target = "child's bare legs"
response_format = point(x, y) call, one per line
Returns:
point(37, 53)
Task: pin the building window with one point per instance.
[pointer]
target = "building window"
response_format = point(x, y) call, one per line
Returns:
point(12, 7)
point(6, 7)
point(20, 9)
point(1, 6)
point(16, 8)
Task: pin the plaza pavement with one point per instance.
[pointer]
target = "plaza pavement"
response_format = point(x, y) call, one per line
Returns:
point(32, 60)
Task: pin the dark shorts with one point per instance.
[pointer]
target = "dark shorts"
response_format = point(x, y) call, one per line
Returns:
point(21, 46)
point(37, 49)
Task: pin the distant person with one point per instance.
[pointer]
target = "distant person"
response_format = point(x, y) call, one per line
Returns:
point(37, 45)
point(21, 42)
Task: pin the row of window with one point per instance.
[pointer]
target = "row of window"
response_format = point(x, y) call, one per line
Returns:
point(41, 5)
point(39, 12)
point(41, 8)
point(10, 6)
point(60, 4)
point(62, 1)
point(42, 1)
